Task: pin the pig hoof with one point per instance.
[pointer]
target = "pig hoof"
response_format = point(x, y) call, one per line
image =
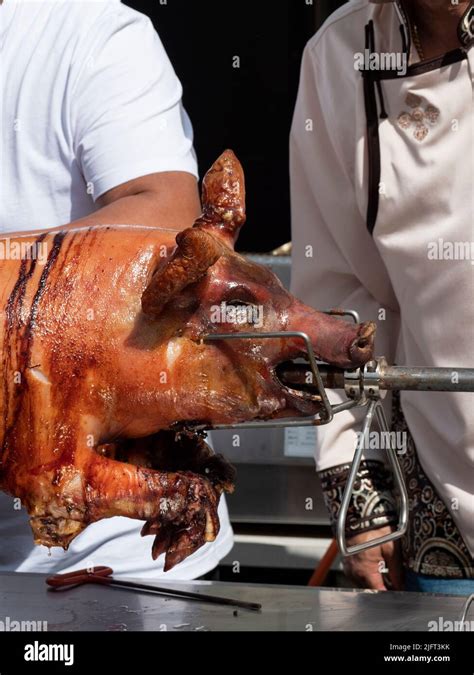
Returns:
point(187, 531)
point(204, 528)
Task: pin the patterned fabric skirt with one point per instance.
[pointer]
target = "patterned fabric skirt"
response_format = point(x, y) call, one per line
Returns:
point(433, 545)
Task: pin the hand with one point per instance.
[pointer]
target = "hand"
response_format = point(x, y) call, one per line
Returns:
point(367, 569)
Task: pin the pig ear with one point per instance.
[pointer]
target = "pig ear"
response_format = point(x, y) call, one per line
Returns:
point(223, 199)
point(196, 252)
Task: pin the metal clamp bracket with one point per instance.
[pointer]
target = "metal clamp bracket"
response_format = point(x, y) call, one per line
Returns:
point(324, 416)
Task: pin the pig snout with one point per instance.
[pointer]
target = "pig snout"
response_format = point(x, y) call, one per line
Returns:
point(334, 340)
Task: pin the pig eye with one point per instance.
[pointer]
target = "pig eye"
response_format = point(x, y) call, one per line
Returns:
point(239, 303)
point(240, 296)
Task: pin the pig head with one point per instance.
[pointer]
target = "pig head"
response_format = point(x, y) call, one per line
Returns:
point(106, 370)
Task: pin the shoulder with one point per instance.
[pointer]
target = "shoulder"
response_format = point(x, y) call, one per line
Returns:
point(87, 15)
point(92, 25)
point(343, 32)
point(111, 38)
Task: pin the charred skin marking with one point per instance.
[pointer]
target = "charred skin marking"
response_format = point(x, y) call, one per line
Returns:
point(14, 332)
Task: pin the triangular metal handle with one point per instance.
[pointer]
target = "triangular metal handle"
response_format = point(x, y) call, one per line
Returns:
point(375, 409)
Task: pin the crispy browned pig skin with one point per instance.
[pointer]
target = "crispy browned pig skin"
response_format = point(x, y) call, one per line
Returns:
point(102, 353)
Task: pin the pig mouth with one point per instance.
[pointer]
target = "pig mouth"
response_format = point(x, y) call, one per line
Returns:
point(302, 399)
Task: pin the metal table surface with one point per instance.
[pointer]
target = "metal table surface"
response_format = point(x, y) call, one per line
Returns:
point(25, 597)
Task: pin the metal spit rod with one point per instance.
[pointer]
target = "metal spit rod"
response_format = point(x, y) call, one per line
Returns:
point(387, 378)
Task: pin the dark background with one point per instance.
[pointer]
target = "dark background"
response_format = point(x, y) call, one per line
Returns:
point(248, 109)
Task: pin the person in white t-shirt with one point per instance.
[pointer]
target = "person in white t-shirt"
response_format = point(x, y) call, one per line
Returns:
point(92, 132)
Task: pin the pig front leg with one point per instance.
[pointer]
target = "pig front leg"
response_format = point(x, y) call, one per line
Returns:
point(171, 480)
point(180, 508)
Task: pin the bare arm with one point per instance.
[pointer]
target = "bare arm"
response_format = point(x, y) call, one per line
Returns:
point(169, 200)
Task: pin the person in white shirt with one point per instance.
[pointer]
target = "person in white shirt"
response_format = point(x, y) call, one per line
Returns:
point(92, 132)
point(381, 170)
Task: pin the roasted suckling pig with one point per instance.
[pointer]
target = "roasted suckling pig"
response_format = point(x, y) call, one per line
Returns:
point(106, 372)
